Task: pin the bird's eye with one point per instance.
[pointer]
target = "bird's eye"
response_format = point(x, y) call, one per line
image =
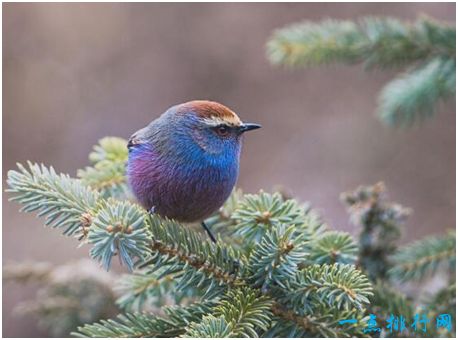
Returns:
point(222, 130)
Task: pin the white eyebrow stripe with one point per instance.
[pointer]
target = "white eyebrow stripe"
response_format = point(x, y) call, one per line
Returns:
point(215, 121)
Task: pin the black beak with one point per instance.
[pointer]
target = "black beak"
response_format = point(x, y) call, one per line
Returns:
point(249, 126)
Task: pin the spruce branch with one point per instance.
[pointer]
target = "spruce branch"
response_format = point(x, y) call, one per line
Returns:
point(257, 214)
point(244, 219)
point(111, 227)
point(247, 310)
point(393, 43)
point(112, 149)
point(319, 296)
point(383, 42)
point(143, 325)
point(193, 271)
point(193, 261)
point(323, 324)
point(118, 227)
point(141, 290)
point(333, 247)
point(380, 223)
point(339, 286)
point(65, 202)
point(413, 96)
point(210, 327)
point(241, 313)
point(307, 43)
point(107, 173)
point(275, 259)
point(423, 258)
point(425, 48)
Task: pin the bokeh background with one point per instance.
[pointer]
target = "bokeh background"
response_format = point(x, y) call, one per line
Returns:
point(73, 73)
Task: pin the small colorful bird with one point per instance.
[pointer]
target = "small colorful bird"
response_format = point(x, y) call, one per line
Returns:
point(185, 163)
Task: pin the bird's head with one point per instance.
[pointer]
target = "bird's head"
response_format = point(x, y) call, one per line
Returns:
point(212, 126)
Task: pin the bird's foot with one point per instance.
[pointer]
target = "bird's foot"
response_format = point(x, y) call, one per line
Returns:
point(235, 263)
point(209, 232)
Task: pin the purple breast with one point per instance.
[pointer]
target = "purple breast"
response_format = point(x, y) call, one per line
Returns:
point(186, 191)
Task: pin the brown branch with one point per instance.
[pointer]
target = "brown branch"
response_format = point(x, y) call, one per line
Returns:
point(199, 264)
point(289, 315)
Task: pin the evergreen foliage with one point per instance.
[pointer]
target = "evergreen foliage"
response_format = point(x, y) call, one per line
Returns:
point(425, 257)
point(334, 285)
point(333, 247)
point(145, 325)
point(141, 290)
point(276, 269)
point(258, 214)
point(241, 314)
point(107, 171)
point(380, 223)
point(63, 201)
point(274, 261)
point(425, 49)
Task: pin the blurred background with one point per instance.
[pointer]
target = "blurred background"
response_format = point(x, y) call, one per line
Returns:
point(73, 73)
